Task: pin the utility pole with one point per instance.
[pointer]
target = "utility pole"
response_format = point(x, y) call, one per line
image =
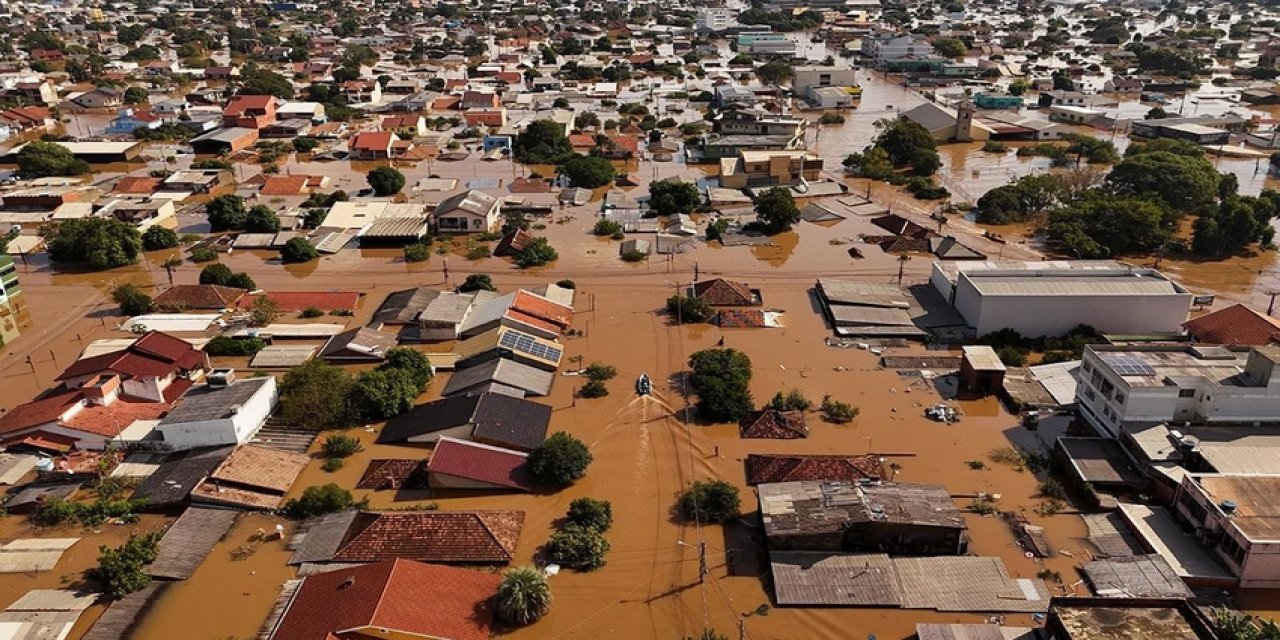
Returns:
point(902, 264)
point(1272, 304)
point(702, 562)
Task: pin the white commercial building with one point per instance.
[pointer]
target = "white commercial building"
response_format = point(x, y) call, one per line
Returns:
point(1128, 388)
point(223, 412)
point(714, 19)
point(1051, 298)
point(805, 77)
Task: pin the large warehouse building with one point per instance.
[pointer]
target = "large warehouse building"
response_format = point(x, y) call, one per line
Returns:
point(1051, 298)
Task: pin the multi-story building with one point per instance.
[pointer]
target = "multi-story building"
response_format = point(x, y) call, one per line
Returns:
point(714, 19)
point(805, 77)
point(769, 168)
point(885, 47)
point(1126, 388)
point(757, 43)
point(1231, 515)
point(12, 307)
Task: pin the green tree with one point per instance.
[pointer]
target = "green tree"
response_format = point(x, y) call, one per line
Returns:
point(40, 159)
point(298, 250)
point(1025, 199)
point(263, 311)
point(588, 172)
point(385, 181)
point(1019, 87)
point(132, 300)
point(836, 411)
point(721, 379)
point(793, 400)
point(340, 446)
point(536, 253)
point(1184, 183)
point(559, 460)
point(136, 95)
point(99, 243)
point(523, 596)
point(673, 196)
point(261, 219)
point(1156, 113)
point(383, 393)
point(412, 362)
point(776, 71)
point(577, 547)
point(316, 395)
point(121, 571)
point(417, 252)
point(1236, 223)
point(255, 80)
point(542, 142)
point(157, 237)
point(1100, 225)
point(606, 227)
point(950, 47)
point(226, 213)
point(590, 513)
point(776, 210)
point(710, 502)
point(318, 501)
point(477, 282)
point(688, 309)
point(216, 274)
point(907, 144)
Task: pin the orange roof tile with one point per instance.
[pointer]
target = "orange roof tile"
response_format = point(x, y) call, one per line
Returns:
point(1235, 325)
point(283, 186)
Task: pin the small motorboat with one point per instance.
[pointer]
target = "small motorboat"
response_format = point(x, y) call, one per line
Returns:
point(643, 386)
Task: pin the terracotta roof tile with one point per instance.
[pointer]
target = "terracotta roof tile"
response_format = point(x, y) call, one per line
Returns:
point(394, 474)
point(110, 420)
point(38, 412)
point(299, 300)
point(481, 463)
point(787, 468)
point(199, 296)
point(371, 140)
point(1235, 325)
point(483, 537)
point(540, 307)
point(721, 292)
point(283, 186)
point(773, 424)
point(390, 596)
point(137, 185)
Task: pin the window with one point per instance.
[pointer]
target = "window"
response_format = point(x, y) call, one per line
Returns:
point(1090, 393)
point(1119, 397)
point(1186, 393)
point(1088, 368)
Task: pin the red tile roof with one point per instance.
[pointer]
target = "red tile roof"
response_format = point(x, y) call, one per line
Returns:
point(626, 143)
point(1235, 325)
point(371, 140)
point(402, 596)
point(299, 300)
point(38, 412)
point(444, 103)
point(199, 296)
point(773, 424)
point(110, 420)
point(154, 355)
point(721, 292)
point(240, 104)
point(42, 440)
point(283, 186)
point(394, 474)
point(532, 321)
point(137, 185)
point(784, 468)
point(483, 537)
point(582, 141)
point(481, 463)
point(540, 307)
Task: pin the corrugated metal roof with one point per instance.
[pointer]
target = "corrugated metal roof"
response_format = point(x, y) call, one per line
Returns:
point(1070, 286)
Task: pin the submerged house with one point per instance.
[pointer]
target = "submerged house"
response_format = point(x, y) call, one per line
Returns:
point(899, 519)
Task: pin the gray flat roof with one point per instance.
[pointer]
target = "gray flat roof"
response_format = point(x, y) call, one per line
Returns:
point(213, 403)
point(1120, 285)
point(502, 371)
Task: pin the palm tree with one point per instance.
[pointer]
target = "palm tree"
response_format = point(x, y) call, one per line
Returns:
point(523, 596)
point(169, 264)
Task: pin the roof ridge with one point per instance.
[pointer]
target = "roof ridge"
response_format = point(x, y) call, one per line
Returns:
point(386, 588)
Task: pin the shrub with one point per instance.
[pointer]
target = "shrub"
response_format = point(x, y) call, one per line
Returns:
point(228, 346)
point(794, 400)
point(600, 371)
point(477, 282)
point(298, 250)
point(340, 446)
point(263, 311)
point(591, 513)
point(1012, 356)
point(332, 464)
point(632, 255)
point(318, 501)
point(120, 570)
point(216, 274)
point(593, 389)
point(132, 300)
point(577, 547)
point(688, 309)
point(606, 227)
point(1051, 488)
point(712, 502)
point(838, 412)
point(417, 252)
point(203, 254)
point(523, 596)
point(559, 460)
point(157, 237)
point(831, 118)
point(535, 254)
point(478, 253)
point(995, 146)
point(311, 312)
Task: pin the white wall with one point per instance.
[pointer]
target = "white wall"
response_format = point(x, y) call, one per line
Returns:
point(461, 433)
point(236, 429)
point(1035, 316)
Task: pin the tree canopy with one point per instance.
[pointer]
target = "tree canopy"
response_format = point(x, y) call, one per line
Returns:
point(776, 210)
point(672, 196)
point(99, 243)
point(721, 379)
point(588, 172)
point(226, 213)
point(542, 142)
point(298, 250)
point(385, 181)
point(40, 159)
point(559, 460)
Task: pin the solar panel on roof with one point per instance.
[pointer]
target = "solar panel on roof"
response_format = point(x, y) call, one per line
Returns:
point(527, 344)
point(1129, 366)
